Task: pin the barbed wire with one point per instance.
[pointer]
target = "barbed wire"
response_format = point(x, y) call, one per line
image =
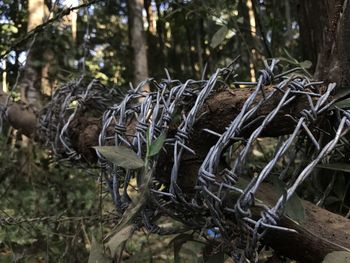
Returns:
point(152, 114)
point(10, 220)
point(66, 102)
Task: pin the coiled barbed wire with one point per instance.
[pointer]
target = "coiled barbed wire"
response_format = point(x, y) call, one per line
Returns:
point(152, 114)
point(66, 102)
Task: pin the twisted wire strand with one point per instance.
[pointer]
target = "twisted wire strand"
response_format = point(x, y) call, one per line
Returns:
point(153, 113)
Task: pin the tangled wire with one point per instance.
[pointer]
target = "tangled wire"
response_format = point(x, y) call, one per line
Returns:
point(140, 119)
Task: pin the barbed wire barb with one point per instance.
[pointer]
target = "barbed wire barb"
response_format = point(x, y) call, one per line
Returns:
point(218, 198)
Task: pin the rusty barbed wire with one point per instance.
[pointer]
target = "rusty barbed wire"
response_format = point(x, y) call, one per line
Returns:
point(152, 113)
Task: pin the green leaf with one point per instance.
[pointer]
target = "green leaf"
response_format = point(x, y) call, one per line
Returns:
point(287, 60)
point(294, 208)
point(10, 28)
point(157, 145)
point(118, 238)
point(306, 64)
point(240, 20)
point(343, 104)
point(341, 92)
point(133, 209)
point(121, 156)
point(131, 212)
point(290, 56)
point(97, 253)
point(219, 37)
point(343, 167)
point(337, 257)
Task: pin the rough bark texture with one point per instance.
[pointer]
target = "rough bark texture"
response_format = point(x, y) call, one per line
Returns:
point(137, 41)
point(322, 231)
point(340, 63)
point(325, 37)
point(31, 80)
point(313, 240)
point(312, 27)
point(217, 113)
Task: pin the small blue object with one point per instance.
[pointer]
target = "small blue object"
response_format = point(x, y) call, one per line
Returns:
point(214, 232)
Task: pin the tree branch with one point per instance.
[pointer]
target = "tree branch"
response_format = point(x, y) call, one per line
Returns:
point(322, 231)
point(19, 115)
point(40, 28)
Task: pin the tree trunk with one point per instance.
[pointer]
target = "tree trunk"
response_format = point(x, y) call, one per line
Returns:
point(252, 25)
point(246, 38)
point(325, 38)
point(199, 42)
point(31, 80)
point(137, 41)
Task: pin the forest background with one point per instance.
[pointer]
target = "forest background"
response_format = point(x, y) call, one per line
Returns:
point(58, 212)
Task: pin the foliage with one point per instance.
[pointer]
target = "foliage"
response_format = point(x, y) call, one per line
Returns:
point(51, 211)
point(55, 213)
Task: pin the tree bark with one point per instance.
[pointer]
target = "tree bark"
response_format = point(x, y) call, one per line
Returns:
point(325, 37)
point(31, 81)
point(322, 231)
point(312, 25)
point(137, 41)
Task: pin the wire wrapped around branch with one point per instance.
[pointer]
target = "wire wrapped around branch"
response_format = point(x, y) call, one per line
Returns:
point(180, 111)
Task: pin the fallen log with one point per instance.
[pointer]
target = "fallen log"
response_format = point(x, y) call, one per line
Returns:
point(321, 232)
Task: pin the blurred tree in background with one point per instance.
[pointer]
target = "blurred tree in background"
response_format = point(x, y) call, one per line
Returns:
point(61, 208)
